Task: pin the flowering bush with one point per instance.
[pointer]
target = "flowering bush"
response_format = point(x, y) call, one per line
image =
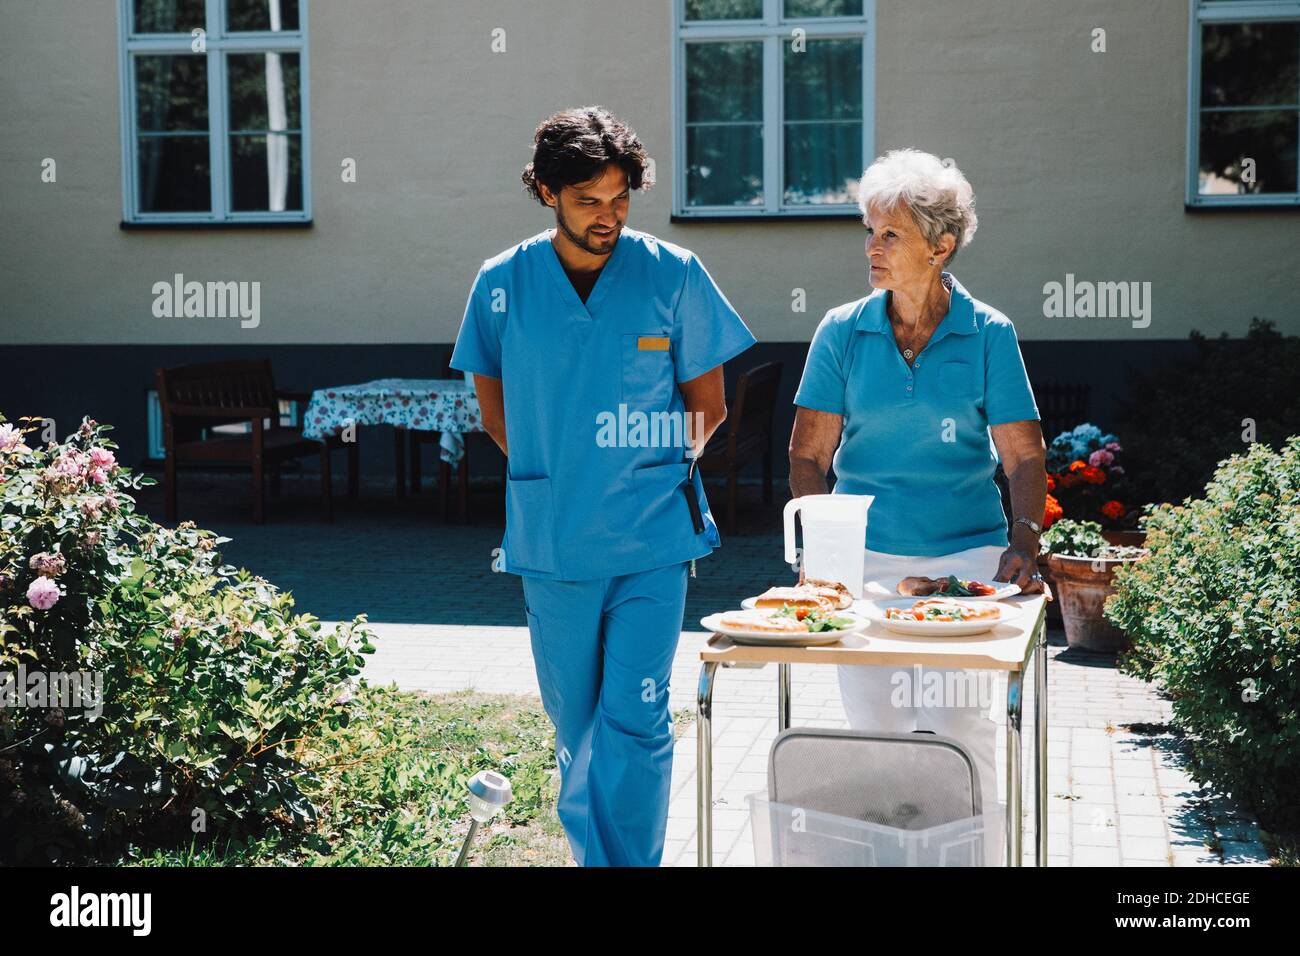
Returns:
point(1214, 613)
point(1085, 479)
point(209, 680)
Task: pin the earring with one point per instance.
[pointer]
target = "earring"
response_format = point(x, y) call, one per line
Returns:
point(932, 260)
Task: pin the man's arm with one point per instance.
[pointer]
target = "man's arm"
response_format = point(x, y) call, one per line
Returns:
point(813, 441)
point(705, 398)
point(492, 409)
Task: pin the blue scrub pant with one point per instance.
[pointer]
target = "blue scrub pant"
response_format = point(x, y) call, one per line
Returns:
point(604, 651)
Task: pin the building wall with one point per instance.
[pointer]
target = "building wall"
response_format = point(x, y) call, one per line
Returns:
point(1077, 159)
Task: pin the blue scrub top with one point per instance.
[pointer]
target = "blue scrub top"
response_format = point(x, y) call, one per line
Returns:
point(579, 506)
point(917, 438)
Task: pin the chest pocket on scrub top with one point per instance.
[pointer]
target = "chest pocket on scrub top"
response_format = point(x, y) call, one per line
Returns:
point(647, 370)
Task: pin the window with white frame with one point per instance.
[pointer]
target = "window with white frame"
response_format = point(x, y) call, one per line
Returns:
point(1244, 103)
point(214, 108)
point(772, 104)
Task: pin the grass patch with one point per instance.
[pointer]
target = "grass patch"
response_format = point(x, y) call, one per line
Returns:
point(392, 790)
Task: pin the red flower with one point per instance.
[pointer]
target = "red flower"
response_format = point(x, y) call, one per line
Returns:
point(1078, 465)
point(1052, 512)
point(1093, 476)
point(1114, 510)
point(1051, 483)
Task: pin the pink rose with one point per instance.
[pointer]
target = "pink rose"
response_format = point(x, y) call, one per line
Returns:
point(1101, 458)
point(103, 458)
point(42, 594)
point(10, 438)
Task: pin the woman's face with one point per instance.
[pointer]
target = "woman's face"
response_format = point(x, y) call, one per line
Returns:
point(897, 251)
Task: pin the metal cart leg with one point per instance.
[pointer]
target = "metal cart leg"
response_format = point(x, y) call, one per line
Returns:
point(1015, 835)
point(704, 765)
point(782, 697)
point(1040, 742)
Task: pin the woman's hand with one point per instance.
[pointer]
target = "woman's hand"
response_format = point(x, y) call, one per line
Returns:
point(1019, 565)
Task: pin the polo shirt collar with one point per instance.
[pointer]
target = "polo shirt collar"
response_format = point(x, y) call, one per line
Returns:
point(960, 319)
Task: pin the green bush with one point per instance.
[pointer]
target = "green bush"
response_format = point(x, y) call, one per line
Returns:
point(1184, 418)
point(1214, 612)
point(209, 681)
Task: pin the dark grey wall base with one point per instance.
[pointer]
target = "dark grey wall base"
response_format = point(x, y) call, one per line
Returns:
point(109, 382)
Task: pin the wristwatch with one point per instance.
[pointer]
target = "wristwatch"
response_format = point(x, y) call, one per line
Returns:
point(1033, 525)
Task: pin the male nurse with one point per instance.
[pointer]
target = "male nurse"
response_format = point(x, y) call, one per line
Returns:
point(597, 356)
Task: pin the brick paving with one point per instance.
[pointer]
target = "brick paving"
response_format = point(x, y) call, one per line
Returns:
point(1117, 790)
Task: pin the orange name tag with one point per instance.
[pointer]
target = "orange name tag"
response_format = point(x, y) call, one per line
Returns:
point(652, 343)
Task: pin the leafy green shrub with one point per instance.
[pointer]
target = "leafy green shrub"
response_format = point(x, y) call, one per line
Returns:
point(208, 682)
point(1184, 418)
point(1214, 612)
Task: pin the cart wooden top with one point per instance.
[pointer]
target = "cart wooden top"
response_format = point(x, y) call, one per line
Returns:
point(1007, 647)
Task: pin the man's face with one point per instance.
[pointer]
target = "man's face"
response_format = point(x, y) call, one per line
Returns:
point(592, 214)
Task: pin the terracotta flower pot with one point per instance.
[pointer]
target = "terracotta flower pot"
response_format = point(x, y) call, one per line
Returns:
point(1082, 586)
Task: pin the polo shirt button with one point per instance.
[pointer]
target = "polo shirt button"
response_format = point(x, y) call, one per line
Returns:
point(909, 388)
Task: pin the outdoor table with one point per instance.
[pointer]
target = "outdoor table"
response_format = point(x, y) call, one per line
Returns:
point(446, 406)
point(1008, 647)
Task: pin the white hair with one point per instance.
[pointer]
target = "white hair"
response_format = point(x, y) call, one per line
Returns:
point(935, 192)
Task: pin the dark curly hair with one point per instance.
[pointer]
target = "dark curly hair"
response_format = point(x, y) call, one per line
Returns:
point(572, 146)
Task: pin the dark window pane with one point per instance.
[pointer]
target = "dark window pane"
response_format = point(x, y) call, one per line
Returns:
point(171, 92)
point(1228, 139)
point(824, 81)
point(174, 174)
point(724, 9)
point(823, 8)
point(263, 91)
point(248, 15)
point(823, 162)
point(724, 165)
point(266, 173)
point(1250, 64)
point(724, 81)
point(169, 16)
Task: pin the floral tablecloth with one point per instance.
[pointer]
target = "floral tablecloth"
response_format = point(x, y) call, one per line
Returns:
point(448, 406)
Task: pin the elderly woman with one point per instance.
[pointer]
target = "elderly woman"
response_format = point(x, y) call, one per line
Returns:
point(901, 392)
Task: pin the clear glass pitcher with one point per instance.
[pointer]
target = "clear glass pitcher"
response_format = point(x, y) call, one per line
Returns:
point(834, 537)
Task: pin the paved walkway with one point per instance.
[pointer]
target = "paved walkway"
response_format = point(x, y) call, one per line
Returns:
point(1117, 793)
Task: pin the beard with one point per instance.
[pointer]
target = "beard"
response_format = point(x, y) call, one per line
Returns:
point(587, 243)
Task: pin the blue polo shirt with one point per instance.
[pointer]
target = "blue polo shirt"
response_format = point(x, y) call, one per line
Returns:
point(918, 438)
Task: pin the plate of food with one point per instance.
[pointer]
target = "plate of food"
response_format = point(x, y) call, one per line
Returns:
point(786, 626)
point(811, 595)
point(955, 587)
point(941, 616)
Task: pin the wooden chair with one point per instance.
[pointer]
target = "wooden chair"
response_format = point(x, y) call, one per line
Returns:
point(748, 435)
point(197, 397)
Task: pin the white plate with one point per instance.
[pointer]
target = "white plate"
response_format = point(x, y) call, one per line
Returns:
point(876, 611)
point(807, 639)
point(1004, 591)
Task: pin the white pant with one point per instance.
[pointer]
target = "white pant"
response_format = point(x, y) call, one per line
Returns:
point(886, 698)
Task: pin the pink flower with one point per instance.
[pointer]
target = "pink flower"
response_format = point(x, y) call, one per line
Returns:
point(103, 458)
point(42, 594)
point(1112, 446)
point(99, 476)
point(1101, 458)
point(10, 438)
